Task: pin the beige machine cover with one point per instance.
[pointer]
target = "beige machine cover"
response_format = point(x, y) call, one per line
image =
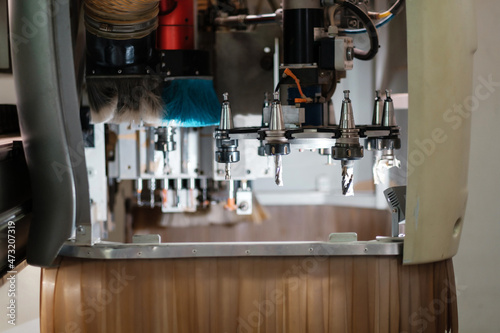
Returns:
point(249, 295)
point(441, 43)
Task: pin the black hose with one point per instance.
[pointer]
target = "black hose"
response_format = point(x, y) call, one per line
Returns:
point(280, 82)
point(396, 8)
point(370, 29)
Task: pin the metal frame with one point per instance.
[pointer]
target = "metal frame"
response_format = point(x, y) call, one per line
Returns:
point(231, 249)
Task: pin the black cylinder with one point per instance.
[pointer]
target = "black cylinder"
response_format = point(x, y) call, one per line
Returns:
point(106, 52)
point(298, 34)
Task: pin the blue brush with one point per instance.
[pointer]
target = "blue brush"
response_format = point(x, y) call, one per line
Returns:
point(190, 103)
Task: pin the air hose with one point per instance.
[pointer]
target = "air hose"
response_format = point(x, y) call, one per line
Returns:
point(371, 29)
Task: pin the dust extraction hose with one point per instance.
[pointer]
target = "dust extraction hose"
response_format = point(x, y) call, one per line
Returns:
point(121, 19)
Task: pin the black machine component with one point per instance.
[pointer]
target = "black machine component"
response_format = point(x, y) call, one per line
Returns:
point(185, 63)
point(298, 35)
point(9, 122)
point(115, 56)
point(112, 57)
point(15, 201)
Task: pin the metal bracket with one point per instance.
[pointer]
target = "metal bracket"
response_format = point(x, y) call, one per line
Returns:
point(244, 202)
point(146, 239)
point(88, 234)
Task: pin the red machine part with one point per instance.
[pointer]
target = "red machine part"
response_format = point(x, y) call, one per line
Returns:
point(176, 25)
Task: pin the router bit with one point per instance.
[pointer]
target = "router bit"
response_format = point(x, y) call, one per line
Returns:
point(138, 191)
point(152, 189)
point(164, 194)
point(347, 177)
point(347, 147)
point(276, 142)
point(378, 109)
point(278, 176)
point(227, 148)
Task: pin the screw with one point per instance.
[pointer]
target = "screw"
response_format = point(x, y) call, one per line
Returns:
point(311, 249)
point(247, 251)
point(244, 206)
point(349, 53)
point(195, 250)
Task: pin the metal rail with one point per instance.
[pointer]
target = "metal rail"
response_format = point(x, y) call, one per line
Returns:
point(231, 249)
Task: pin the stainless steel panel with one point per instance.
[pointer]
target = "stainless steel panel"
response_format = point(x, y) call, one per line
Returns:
point(236, 249)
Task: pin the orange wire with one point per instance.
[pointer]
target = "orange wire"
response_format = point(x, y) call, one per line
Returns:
point(297, 81)
point(304, 99)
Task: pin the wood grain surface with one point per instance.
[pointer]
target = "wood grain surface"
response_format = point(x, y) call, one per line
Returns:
point(285, 223)
point(266, 295)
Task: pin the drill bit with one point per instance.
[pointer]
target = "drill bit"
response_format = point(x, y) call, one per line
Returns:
point(166, 165)
point(164, 194)
point(152, 189)
point(138, 191)
point(278, 166)
point(228, 171)
point(347, 176)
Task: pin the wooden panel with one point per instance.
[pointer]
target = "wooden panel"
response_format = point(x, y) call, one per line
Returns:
point(290, 223)
point(247, 295)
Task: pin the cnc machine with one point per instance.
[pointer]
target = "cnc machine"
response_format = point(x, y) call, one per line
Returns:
point(201, 112)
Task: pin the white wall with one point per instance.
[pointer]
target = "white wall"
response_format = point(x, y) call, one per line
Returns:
point(27, 300)
point(477, 266)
